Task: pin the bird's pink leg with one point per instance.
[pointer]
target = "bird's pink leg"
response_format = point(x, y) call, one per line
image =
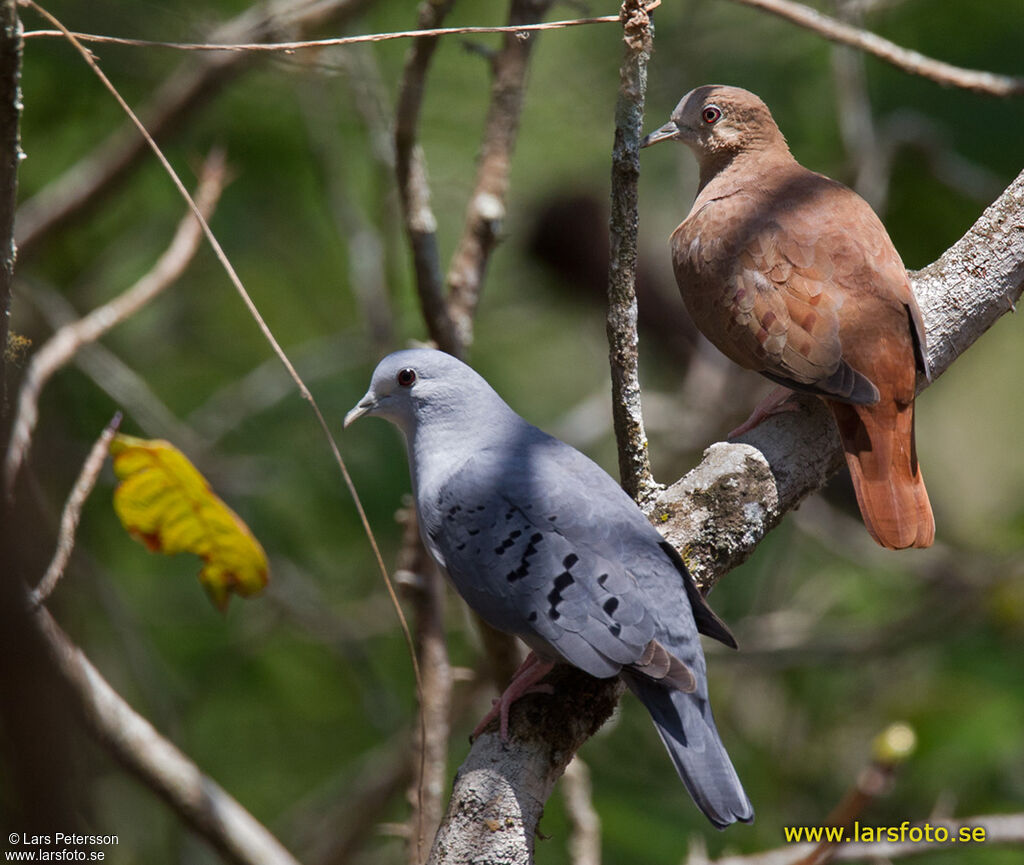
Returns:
point(524, 682)
point(774, 403)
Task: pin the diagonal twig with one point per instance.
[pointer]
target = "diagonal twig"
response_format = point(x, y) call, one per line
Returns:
point(61, 347)
point(173, 105)
point(201, 803)
point(989, 83)
point(413, 188)
point(73, 511)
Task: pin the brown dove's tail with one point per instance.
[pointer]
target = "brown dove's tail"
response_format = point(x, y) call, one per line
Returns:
point(880, 451)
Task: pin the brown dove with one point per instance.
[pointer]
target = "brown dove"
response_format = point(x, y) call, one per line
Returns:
point(793, 275)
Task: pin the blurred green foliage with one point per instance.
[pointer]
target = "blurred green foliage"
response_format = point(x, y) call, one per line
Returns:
point(843, 638)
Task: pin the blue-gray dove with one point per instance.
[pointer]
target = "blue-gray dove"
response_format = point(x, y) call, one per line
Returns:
point(545, 545)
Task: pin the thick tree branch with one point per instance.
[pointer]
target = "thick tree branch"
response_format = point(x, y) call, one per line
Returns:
point(500, 790)
point(718, 513)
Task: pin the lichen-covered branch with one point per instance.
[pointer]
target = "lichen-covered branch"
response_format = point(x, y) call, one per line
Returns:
point(500, 790)
point(634, 463)
point(718, 513)
point(485, 213)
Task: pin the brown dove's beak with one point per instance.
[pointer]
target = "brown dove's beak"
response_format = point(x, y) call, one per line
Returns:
point(366, 404)
point(669, 130)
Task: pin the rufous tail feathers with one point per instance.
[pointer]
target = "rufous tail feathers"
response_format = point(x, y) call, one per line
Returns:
point(882, 457)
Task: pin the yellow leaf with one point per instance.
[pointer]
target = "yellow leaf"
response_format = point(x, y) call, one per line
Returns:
point(167, 504)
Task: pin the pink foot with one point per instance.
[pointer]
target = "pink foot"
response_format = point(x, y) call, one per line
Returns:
point(774, 403)
point(524, 682)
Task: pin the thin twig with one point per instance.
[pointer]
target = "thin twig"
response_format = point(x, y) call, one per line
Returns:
point(485, 213)
point(913, 62)
point(73, 511)
point(112, 375)
point(261, 323)
point(288, 47)
point(61, 347)
point(413, 188)
point(634, 462)
point(199, 801)
point(174, 104)
point(423, 582)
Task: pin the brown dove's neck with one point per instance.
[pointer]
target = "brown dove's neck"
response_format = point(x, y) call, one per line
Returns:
point(736, 170)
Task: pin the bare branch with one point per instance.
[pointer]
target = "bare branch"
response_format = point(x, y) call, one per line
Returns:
point(112, 375)
point(198, 800)
point(73, 511)
point(485, 212)
point(904, 59)
point(634, 462)
point(718, 513)
point(61, 347)
point(174, 104)
point(413, 189)
point(422, 580)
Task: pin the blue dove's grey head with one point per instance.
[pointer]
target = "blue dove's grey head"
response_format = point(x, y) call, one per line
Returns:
point(422, 384)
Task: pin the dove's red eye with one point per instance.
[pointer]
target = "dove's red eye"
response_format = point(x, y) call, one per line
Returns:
point(406, 377)
point(711, 114)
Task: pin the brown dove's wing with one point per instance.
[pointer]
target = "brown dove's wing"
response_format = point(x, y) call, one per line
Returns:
point(882, 327)
point(764, 293)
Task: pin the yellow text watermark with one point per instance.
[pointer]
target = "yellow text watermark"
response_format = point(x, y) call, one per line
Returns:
point(924, 833)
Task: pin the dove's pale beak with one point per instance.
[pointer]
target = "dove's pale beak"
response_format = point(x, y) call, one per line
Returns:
point(366, 404)
point(669, 130)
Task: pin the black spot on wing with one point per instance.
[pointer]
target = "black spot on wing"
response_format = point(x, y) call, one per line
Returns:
point(611, 605)
point(524, 562)
point(562, 582)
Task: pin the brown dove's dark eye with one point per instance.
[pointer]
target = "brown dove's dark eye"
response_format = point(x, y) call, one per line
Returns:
point(711, 114)
point(406, 377)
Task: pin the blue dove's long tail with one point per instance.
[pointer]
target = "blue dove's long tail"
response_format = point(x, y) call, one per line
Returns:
point(687, 728)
